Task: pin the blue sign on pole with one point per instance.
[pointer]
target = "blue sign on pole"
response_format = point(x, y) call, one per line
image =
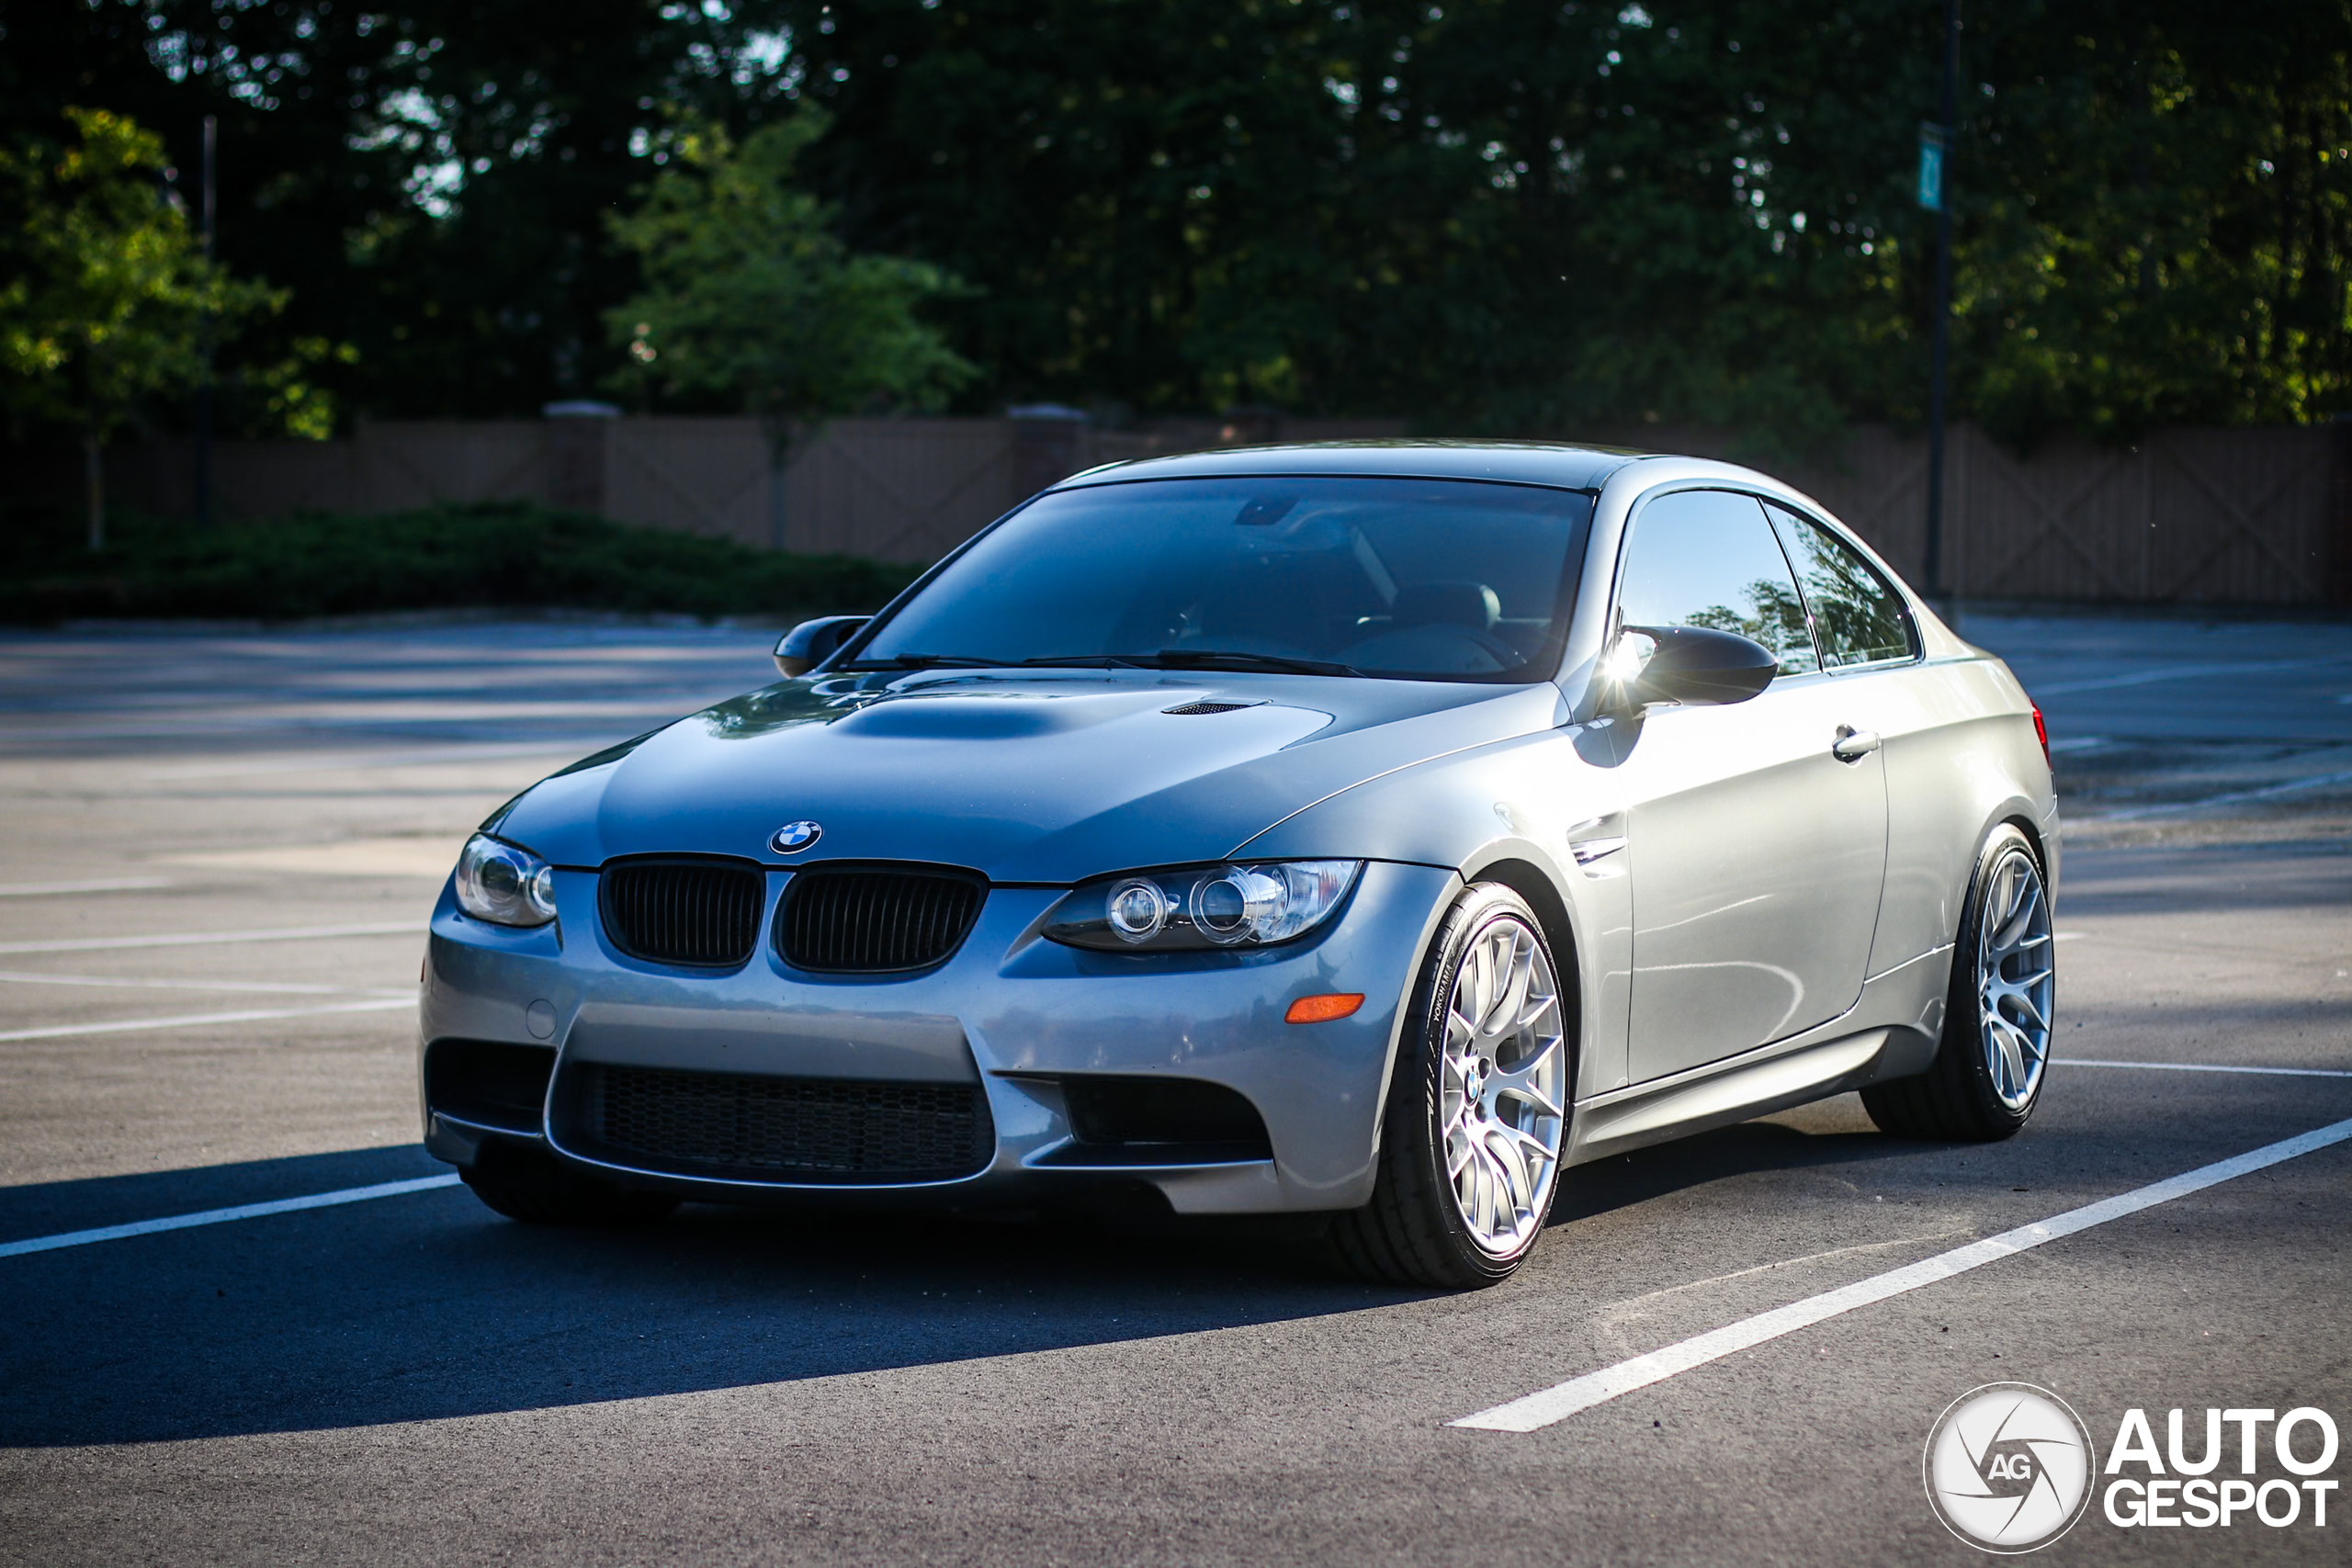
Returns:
point(1931, 167)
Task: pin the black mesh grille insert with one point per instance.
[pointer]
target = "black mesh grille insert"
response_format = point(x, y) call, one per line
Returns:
point(1190, 709)
point(752, 1128)
point(702, 912)
point(489, 1083)
point(875, 919)
point(1163, 1110)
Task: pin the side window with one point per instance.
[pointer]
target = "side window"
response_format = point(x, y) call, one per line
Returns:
point(1856, 614)
point(1706, 558)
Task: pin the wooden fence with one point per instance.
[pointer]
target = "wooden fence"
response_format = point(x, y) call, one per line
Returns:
point(2251, 516)
point(2246, 517)
point(898, 489)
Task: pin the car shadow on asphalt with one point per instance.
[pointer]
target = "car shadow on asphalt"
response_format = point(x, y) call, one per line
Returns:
point(427, 1306)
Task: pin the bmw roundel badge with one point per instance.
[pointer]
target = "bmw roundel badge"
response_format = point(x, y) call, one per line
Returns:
point(795, 837)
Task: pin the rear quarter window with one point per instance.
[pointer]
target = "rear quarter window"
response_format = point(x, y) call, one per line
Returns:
point(1858, 618)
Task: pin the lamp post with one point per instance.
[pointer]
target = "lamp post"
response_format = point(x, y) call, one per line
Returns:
point(1935, 147)
point(203, 466)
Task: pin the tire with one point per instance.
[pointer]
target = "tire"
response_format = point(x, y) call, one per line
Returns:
point(1993, 1060)
point(534, 1187)
point(1477, 1110)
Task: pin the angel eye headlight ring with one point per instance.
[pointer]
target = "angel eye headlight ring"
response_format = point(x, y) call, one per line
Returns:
point(504, 884)
point(1136, 910)
point(1204, 908)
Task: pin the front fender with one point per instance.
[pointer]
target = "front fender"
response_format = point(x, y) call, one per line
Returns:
point(1509, 812)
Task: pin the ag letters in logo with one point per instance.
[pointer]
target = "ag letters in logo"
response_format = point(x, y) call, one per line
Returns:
point(2009, 1468)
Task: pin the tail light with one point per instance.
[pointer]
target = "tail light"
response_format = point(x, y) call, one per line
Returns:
point(2041, 733)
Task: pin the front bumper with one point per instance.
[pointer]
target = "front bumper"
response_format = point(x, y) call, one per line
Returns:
point(1012, 1012)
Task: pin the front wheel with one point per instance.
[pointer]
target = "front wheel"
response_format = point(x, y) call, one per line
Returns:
point(1477, 1109)
point(1988, 1071)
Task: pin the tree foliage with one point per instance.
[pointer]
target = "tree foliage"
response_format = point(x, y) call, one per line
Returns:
point(504, 555)
point(106, 299)
point(750, 294)
point(1484, 214)
point(106, 295)
point(1507, 215)
point(430, 177)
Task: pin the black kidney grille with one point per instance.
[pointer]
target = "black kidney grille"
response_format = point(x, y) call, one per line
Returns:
point(702, 912)
point(790, 1129)
point(875, 921)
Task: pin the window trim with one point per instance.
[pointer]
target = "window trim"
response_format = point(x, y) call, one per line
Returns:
point(1640, 508)
point(1917, 643)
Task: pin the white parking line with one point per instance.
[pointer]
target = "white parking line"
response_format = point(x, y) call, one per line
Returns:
point(197, 1019)
point(91, 885)
point(353, 761)
point(2202, 1067)
point(203, 938)
point(28, 977)
point(1562, 1400)
point(221, 1216)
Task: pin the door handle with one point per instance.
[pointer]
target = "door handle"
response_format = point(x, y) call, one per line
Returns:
point(1853, 745)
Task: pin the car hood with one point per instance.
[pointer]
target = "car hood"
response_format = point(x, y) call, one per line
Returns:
point(1048, 779)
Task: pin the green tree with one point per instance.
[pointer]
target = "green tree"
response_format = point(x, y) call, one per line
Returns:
point(2156, 216)
point(107, 297)
point(750, 295)
point(1558, 218)
point(1570, 217)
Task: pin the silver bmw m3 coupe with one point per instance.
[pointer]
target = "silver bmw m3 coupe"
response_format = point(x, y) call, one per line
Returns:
point(1376, 830)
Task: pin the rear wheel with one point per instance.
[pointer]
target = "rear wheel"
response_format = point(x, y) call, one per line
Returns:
point(1477, 1109)
point(1989, 1069)
point(534, 1187)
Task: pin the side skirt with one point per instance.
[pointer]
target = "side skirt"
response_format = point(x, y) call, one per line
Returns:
point(1891, 1031)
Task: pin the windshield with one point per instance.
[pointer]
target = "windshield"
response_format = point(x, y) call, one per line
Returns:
point(1429, 580)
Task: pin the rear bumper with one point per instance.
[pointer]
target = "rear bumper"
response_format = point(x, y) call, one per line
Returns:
point(1012, 1016)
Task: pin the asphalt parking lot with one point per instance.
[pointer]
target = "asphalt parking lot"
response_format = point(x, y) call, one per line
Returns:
point(220, 848)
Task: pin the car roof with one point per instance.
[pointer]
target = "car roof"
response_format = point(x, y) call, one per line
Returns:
point(1560, 464)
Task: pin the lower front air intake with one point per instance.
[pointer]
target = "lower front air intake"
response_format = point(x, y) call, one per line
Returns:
point(744, 1127)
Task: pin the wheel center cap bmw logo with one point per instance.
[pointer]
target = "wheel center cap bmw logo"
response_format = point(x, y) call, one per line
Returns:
point(794, 837)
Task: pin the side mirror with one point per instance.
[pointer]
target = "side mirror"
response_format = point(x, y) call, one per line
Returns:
point(810, 643)
point(1690, 665)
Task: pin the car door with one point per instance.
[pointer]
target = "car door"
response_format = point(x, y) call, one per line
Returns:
point(1756, 831)
point(1871, 650)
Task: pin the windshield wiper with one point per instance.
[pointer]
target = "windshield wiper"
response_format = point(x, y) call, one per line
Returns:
point(925, 661)
point(972, 661)
point(1216, 658)
point(1166, 658)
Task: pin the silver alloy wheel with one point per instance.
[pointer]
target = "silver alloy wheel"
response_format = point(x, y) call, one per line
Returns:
point(2014, 977)
point(1502, 1087)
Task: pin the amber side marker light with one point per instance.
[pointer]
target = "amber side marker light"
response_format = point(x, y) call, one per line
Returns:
point(1325, 1007)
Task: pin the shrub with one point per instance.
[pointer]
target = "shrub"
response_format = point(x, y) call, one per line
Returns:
point(495, 554)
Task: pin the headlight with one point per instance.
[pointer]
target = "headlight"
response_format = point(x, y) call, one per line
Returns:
point(503, 885)
point(1215, 906)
